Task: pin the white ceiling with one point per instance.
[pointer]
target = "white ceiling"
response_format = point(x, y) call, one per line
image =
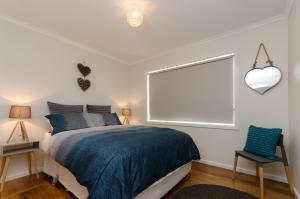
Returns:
point(168, 24)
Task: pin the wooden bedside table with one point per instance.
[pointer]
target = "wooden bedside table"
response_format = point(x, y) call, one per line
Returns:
point(11, 149)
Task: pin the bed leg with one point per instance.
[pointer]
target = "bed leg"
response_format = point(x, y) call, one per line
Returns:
point(55, 179)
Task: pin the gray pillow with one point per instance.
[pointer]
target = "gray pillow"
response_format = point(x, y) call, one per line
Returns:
point(98, 108)
point(94, 119)
point(55, 108)
point(111, 119)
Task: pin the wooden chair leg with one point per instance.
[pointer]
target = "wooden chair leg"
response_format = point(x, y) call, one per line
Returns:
point(4, 173)
point(261, 181)
point(290, 179)
point(234, 166)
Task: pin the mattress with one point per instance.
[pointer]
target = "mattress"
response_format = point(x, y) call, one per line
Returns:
point(65, 177)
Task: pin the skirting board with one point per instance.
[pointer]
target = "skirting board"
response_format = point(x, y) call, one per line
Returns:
point(242, 170)
point(20, 174)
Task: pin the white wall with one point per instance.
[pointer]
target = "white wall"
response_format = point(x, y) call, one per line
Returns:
point(294, 93)
point(217, 146)
point(36, 68)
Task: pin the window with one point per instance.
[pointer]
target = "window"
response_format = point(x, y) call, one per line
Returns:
point(196, 94)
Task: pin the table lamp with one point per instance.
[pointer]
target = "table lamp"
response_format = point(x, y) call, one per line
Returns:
point(126, 112)
point(19, 112)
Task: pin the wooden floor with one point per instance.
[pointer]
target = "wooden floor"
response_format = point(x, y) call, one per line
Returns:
point(31, 188)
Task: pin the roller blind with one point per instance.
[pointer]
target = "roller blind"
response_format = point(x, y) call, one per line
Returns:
point(202, 92)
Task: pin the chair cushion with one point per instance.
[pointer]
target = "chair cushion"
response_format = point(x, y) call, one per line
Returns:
point(263, 141)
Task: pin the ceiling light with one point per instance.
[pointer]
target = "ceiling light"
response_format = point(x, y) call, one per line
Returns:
point(134, 16)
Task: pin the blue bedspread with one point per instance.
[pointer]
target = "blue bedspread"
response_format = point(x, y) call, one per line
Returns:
point(121, 163)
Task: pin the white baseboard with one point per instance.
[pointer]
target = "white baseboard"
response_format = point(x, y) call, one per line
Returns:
point(20, 174)
point(242, 170)
point(297, 195)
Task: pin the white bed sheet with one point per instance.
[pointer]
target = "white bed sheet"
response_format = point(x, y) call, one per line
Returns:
point(66, 178)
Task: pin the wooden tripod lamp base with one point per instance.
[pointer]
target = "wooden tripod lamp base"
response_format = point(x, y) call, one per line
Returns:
point(126, 112)
point(23, 132)
point(126, 121)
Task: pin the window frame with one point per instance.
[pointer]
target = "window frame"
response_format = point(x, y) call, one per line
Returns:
point(230, 126)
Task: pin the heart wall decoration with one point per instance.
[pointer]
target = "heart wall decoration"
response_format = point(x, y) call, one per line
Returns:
point(85, 70)
point(83, 83)
point(262, 79)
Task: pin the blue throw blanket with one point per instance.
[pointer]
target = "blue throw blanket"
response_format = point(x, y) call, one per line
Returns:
point(121, 163)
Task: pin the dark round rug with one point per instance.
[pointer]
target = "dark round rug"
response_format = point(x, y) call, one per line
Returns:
point(205, 191)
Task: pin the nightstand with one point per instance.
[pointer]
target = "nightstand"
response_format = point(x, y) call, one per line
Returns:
point(11, 149)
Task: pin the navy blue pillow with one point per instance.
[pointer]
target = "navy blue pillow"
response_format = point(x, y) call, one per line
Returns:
point(263, 141)
point(111, 119)
point(66, 122)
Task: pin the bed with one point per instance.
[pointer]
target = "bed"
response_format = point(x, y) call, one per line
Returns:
point(123, 162)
